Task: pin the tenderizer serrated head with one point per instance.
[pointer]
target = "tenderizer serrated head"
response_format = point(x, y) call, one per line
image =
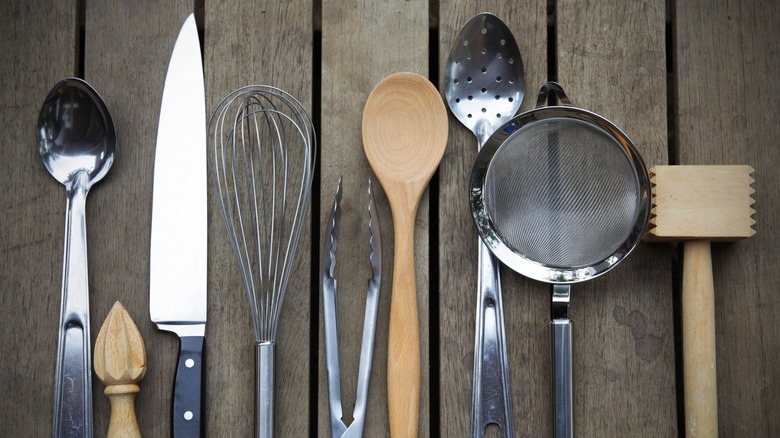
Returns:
point(701, 203)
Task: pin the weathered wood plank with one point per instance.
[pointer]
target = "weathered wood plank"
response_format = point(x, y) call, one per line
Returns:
point(38, 48)
point(727, 59)
point(611, 60)
point(127, 49)
point(526, 306)
point(264, 42)
point(361, 44)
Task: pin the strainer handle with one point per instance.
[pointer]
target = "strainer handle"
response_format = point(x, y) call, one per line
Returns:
point(560, 330)
point(554, 88)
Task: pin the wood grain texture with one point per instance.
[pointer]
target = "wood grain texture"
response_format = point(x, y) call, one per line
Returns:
point(526, 303)
point(37, 48)
point(269, 43)
point(392, 37)
point(609, 56)
point(611, 60)
point(701, 202)
point(724, 54)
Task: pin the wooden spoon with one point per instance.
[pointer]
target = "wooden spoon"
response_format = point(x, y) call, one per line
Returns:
point(404, 137)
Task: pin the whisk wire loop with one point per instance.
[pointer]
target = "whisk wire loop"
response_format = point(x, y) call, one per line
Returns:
point(264, 146)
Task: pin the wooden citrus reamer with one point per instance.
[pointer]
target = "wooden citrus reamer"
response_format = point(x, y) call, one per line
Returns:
point(120, 363)
point(697, 205)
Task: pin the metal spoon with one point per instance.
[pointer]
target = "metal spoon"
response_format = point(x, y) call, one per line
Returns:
point(77, 141)
point(484, 85)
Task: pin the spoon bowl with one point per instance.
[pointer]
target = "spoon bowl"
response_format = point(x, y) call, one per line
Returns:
point(484, 77)
point(404, 131)
point(77, 142)
point(75, 132)
point(404, 138)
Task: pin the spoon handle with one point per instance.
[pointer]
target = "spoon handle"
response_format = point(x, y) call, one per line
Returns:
point(491, 398)
point(73, 378)
point(403, 349)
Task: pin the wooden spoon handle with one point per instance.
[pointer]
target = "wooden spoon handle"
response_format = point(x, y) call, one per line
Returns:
point(403, 349)
point(698, 320)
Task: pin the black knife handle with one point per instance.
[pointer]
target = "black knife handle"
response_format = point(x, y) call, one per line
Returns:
point(187, 388)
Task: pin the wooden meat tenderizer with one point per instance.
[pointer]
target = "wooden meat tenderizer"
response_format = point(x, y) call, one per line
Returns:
point(696, 205)
point(120, 363)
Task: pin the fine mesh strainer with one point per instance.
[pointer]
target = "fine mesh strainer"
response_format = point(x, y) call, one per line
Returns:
point(560, 195)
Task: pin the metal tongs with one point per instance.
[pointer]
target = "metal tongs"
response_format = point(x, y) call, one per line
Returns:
point(337, 426)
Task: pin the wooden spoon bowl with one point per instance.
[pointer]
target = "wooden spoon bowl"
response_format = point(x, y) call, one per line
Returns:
point(404, 138)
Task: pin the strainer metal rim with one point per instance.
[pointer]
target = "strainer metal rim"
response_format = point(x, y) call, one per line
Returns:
point(521, 263)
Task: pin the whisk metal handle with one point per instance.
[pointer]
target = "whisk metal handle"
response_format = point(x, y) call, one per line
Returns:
point(264, 392)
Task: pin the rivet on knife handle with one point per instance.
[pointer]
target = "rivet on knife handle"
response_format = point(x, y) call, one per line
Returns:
point(187, 388)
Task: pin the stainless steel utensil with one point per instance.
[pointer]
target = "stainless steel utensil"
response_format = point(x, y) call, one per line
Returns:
point(560, 195)
point(178, 257)
point(484, 84)
point(77, 142)
point(264, 147)
point(338, 428)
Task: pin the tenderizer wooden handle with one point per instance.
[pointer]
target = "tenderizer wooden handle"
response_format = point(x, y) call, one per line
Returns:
point(120, 363)
point(698, 327)
point(697, 204)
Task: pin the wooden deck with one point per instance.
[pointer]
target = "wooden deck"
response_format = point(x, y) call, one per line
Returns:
point(691, 82)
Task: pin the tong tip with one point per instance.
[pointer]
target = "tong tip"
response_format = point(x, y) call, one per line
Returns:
point(331, 235)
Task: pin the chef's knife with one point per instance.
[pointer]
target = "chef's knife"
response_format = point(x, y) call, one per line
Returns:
point(177, 286)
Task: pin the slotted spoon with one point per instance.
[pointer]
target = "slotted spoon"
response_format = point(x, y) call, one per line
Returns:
point(484, 86)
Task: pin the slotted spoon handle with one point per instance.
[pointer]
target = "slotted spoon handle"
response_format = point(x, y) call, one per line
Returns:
point(403, 349)
point(491, 398)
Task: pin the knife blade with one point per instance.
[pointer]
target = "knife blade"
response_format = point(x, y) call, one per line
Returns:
point(177, 286)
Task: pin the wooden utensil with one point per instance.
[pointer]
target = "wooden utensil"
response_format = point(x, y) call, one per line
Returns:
point(120, 363)
point(404, 138)
point(699, 204)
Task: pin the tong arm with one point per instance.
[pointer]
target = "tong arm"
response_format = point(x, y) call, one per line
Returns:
point(329, 291)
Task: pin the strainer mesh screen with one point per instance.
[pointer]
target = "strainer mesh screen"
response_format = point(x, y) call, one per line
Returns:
point(563, 193)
